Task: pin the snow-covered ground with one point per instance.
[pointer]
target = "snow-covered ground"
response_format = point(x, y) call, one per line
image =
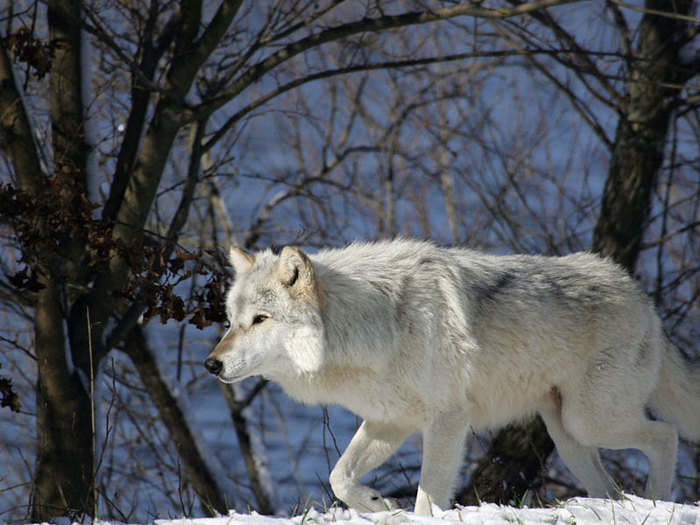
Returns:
point(579, 511)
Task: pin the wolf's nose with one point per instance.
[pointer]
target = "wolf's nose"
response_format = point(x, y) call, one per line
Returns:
point(214, 366)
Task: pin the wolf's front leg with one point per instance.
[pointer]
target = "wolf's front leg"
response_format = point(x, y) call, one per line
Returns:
point(372, 444)
point(443, 447)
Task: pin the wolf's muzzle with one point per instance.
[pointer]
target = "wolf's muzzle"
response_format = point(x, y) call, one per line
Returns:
point(214, 366)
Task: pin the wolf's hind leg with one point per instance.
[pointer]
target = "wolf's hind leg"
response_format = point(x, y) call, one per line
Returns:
point(443, 447)
point(609, 412)
point(372, 444)
point(655, 439)
point(584, 462)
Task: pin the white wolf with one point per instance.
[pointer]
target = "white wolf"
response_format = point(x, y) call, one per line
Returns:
point(417, 338)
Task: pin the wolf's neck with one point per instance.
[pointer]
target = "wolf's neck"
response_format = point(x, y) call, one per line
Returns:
point(358, 319)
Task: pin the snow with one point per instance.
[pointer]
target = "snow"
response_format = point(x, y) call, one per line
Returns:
point(579, 511)
point(631, 510)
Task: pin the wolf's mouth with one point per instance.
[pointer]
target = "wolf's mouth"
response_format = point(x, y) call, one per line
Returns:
point(229, 380)
point(237, 372)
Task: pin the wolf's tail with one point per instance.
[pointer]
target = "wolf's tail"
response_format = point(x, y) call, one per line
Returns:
point(676, 398)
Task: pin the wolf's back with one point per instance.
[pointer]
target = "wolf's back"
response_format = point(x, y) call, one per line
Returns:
point(676, 398)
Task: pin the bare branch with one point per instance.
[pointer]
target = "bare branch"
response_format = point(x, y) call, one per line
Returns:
point(16, 128)
point(658, 12)
point(370, 25)
point(205, 107)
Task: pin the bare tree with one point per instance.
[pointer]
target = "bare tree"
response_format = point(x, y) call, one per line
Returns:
point(86, 228)
point(136, 146)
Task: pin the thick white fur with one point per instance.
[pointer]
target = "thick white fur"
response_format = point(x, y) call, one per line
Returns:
point(416, 338)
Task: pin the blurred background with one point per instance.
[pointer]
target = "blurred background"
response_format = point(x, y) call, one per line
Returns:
point(139, 139)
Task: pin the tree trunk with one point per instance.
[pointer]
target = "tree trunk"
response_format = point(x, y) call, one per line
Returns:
point(65, 90)
point(508, 469)
point(641, 132)
point(64, 462)
point(16, 129)
point(63, 474)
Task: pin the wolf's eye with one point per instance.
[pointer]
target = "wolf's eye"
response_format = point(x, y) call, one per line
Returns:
point(227, 324)
point(259, 318)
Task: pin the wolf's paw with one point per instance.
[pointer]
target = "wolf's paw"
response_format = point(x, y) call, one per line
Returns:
point(366, 499)
point(384, 503)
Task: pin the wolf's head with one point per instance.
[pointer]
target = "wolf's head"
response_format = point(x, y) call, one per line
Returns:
point(275, 322)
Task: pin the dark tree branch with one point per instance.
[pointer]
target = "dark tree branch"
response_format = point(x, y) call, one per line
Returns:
point(641, 132)
point(16, 130)
point(382, 23)
point(203, 479)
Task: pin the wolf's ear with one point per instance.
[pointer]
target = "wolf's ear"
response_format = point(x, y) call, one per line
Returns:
point(294, 269)
point(241, 260)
